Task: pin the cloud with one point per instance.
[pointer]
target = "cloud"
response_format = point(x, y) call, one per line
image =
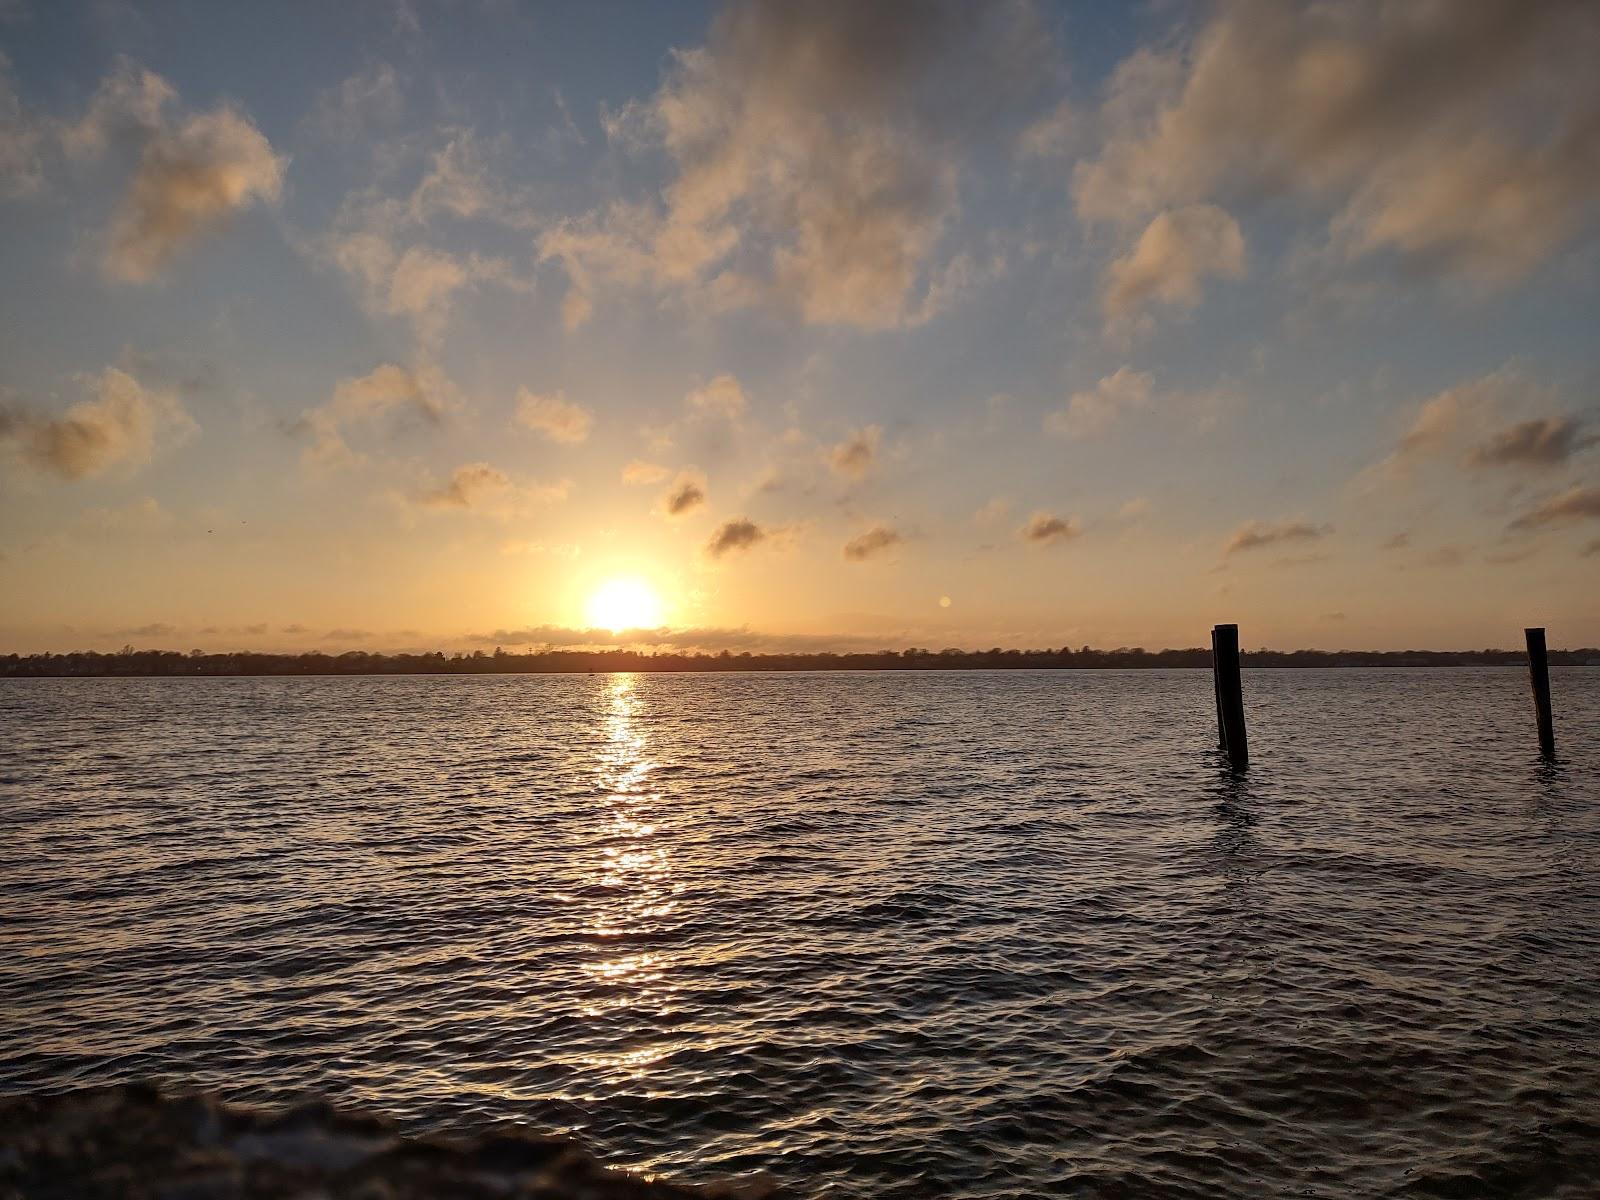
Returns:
point(722, 398)
point(576, 309)
point(1253, 535)
point(1052, 136)
point(640, 472)
point(1445, 419)
point(369, 98)
point(686, 494)
point(119, 426)
point(419, 284)
point(734, 536)
point(1542, 442)
point(128, 106)
point(459, 183)
point(1460, 138)
point(992, 510)
point(389, 394)
point(195, 171)
point(1172, 258)
point(1046, 529)
point(876, 541)
point(1575, 504)
point(21, 138)
point(1445, 556)
point(1090, 412)
point(853, 457)
point(388, 243)
point(1398, 541)
point(553, 416)
point(816, 152)
point(479, 488)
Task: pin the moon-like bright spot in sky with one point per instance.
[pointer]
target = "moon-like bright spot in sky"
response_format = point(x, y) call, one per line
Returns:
point(622, 604)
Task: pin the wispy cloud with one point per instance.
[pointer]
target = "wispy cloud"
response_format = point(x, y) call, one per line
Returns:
point(1575, 504)
point(1092, 411)
point(488, 491)
point(553, 416)
point(195, 171)
point(1171, 260)
point(854, 457)
point(118, 426)
point(1254, 535)
point(721, 398)
point(874, 542)
point(1542, 442)
point(638, 472)
point(391, 394)
point(815, 158)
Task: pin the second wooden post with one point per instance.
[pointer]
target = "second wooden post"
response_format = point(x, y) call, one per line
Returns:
point(1539, 675)
point(1230, 694)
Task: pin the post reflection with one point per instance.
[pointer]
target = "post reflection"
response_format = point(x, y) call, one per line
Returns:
point(633, 874)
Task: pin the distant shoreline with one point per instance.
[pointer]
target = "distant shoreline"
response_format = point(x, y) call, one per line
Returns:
point(171, 663)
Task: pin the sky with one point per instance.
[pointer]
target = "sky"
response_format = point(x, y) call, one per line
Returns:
point(415, 324)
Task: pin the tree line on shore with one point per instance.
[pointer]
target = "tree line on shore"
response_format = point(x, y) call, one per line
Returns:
point(131, 662)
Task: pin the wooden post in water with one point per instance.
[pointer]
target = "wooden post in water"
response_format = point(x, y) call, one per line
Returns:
point(1539, 675)
point(1216, 693)
point(1230, 694)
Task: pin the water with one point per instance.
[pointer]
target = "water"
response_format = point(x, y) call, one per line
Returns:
point(966, 934)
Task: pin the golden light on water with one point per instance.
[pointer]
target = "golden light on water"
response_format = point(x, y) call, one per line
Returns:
point(633, 868)
point(624, 603)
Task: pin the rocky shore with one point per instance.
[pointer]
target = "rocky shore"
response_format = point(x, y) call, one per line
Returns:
point(140, 1143)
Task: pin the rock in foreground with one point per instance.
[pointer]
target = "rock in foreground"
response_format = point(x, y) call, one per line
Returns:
point(139, 1143)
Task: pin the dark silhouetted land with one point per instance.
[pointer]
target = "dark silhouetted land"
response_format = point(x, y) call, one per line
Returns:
point(129, 661)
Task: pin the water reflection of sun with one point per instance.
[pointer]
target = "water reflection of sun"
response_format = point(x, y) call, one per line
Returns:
point(634, 873)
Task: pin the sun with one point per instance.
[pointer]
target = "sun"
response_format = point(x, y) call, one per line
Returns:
point(626, 603)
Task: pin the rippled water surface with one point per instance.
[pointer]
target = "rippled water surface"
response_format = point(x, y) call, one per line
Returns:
point(964, 934)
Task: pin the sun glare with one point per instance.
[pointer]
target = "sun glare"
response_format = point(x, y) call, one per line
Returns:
point(622, 604)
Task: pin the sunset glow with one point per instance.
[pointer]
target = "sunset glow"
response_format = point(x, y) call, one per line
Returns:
point(417, 345)
point(624, 604)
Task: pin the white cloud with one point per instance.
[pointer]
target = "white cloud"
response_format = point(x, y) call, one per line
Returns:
point(1464, 138)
